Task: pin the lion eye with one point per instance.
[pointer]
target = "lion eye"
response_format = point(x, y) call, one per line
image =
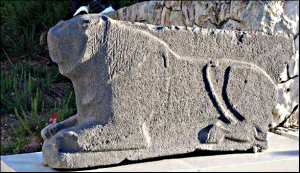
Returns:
point(85, 23)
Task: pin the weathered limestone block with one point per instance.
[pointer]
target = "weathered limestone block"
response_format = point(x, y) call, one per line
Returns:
point(145, 91)
point(265, 16)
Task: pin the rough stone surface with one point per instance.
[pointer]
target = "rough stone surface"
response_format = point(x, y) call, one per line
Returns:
point(265, 16)
point(146, 91)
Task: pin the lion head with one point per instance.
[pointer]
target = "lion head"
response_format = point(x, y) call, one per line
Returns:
point(74, 41)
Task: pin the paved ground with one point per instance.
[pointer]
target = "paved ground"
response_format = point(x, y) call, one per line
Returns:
point(282, 155)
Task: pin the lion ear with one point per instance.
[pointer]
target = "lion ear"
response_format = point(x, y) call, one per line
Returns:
point(81, 10)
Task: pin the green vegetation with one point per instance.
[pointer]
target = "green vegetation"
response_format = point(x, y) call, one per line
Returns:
point(31, 86)
point(24, 23)
point(32, 94)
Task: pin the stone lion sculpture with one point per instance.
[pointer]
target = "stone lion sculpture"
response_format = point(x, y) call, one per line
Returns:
point(146, 91)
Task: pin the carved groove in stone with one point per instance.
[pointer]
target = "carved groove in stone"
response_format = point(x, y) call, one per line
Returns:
point(229, 116)
point(232, 110)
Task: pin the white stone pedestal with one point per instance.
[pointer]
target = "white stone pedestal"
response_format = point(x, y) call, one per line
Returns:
point(282, 155)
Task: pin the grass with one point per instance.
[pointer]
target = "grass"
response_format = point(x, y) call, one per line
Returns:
point(32, 95)
point(31, 88)
point(24, 22)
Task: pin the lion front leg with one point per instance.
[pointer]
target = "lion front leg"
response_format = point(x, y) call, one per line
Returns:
point(52, 129)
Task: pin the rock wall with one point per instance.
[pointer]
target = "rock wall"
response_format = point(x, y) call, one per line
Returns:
point(265, 16)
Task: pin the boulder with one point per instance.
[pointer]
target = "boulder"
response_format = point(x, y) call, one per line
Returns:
point(145, 91)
